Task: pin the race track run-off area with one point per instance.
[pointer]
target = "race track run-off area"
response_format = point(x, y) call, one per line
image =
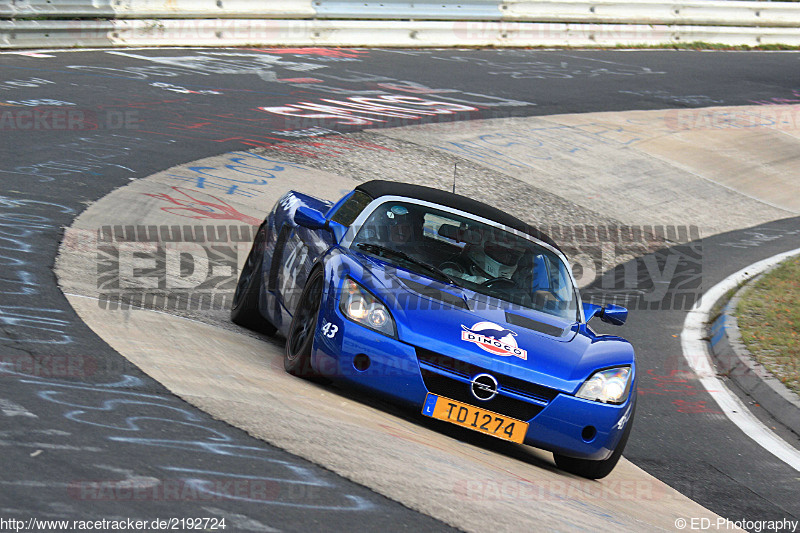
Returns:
point(138, 176)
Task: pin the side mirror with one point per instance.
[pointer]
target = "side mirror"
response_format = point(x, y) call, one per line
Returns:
point(614, 314)
point(610, 313)
point(310, 218)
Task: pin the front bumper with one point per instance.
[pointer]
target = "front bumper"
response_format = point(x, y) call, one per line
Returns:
point(392, 369)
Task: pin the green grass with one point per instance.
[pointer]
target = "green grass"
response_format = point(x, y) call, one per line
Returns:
point(769, 320)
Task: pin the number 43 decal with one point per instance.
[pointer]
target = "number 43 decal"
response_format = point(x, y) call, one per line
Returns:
point(329, 330)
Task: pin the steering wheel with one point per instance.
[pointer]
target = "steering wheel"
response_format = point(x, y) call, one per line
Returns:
point(453, 266)
point(489, 283)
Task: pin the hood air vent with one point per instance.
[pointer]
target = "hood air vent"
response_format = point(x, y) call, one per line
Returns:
point(435, 294)
point(535, 325)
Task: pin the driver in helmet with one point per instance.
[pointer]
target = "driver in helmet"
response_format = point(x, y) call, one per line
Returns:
point(499, 260)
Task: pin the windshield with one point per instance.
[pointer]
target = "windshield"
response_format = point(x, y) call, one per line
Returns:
point(470, 254)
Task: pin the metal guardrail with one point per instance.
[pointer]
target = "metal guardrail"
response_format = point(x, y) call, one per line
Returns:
point(401, 23)
point(696, 13)
point(408, 9)
point(51, 34)
point(387, 33)
point(144, 9)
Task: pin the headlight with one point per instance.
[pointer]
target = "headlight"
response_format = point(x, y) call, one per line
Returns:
point(607, 386)
point(360, 306)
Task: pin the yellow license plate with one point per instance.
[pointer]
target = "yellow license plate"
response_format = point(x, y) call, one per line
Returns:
point(474, 418)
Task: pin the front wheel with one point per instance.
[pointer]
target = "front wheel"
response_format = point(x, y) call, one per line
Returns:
point(299, 341)
point(595, 469)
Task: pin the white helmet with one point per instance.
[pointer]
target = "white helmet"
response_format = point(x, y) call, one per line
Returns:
point(500, 261)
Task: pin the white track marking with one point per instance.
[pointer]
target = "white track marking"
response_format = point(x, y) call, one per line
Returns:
point(10, 408)
point(695, 351)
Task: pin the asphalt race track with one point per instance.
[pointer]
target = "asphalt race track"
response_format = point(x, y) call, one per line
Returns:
point(556, 137)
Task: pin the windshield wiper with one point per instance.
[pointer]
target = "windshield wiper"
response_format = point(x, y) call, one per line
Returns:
point(379, 250)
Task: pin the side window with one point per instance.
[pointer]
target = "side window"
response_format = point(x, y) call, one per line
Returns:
point(351, 208)
point(558, 279)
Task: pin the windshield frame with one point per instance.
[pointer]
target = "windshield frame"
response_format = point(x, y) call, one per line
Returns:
point(352, 230)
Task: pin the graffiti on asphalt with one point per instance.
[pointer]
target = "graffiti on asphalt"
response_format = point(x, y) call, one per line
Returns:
point(23, 317)
point(521, 146)
point(363, 111)
point(91, 155)
point(242, 174)
point(127, 416)
point(527, 65)
point(26, 83)
point(197, 208)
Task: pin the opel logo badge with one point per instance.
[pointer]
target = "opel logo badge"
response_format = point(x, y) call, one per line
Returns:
point(484, 387)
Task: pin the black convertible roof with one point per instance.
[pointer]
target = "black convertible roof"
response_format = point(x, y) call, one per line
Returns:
point(378, 188)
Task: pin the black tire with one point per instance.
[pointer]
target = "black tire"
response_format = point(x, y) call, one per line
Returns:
point(595, 469)
point(299, 341)
point(244, 308)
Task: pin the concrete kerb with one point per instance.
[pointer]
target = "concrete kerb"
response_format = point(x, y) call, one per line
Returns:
point(734, 360)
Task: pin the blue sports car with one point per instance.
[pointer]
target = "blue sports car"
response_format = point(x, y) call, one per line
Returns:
point(446, 304)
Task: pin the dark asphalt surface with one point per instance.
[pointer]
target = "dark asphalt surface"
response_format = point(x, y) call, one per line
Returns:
point(680, 435)
point(81, 428)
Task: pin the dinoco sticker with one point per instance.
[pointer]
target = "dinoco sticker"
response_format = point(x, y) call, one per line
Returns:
point(493, 338)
